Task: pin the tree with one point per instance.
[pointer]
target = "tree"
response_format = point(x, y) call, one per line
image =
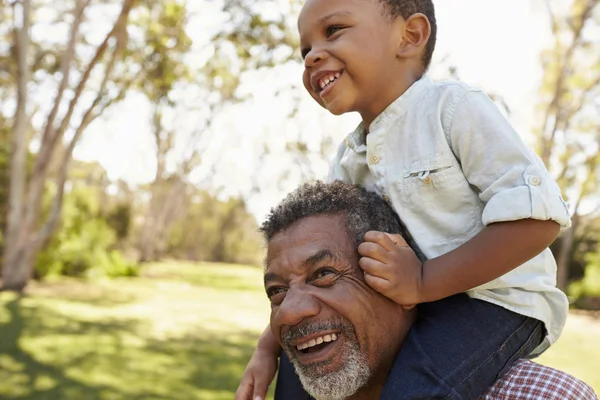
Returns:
point(247, 41)
point(569, 133)
point(83, 96)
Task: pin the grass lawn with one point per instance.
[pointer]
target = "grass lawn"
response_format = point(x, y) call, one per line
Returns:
point(182, 331)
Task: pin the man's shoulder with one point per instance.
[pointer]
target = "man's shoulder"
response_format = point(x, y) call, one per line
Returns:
point(529, 380)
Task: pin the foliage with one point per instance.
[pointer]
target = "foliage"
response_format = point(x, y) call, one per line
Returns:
point(568, 131)
point(589, 285)
point(119, 220)
point(83, 245)
point(215, 230)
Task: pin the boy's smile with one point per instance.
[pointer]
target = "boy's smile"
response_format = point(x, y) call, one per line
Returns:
point(351, 55)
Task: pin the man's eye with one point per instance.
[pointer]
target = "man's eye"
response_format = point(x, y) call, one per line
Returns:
point(275, 290)
point(333, 29)
point(325, 273)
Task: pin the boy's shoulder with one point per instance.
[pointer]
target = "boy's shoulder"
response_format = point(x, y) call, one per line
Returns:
point(451, 87)
point(446, 96)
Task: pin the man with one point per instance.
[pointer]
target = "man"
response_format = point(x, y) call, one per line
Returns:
point(341, 336)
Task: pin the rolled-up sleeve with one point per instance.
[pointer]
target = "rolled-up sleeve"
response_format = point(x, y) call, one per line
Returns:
point(511, 179)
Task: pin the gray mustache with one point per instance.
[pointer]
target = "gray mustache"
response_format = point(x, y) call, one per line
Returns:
point(309, 327)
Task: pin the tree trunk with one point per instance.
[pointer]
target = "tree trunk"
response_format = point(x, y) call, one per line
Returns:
point(25, 238)
point(17, 271)
point(14, 242)
point(159, 220)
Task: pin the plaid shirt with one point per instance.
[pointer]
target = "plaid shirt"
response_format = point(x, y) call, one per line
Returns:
point(531, 381)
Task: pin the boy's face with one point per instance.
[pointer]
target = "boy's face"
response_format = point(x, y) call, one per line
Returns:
point(349, 49)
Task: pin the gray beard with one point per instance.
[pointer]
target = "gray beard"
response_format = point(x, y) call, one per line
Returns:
point(337, 385)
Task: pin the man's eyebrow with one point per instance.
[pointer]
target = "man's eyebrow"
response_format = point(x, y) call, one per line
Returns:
point(335, 14)
point(319, 256)
point(271, 276)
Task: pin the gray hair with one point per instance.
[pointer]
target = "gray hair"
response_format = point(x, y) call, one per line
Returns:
point(364, 211)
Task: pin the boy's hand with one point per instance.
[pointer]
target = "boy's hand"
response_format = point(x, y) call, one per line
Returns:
point(257, 377)
point(391, 267)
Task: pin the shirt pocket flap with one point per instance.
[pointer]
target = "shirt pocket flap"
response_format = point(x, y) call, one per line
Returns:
point(429, 166)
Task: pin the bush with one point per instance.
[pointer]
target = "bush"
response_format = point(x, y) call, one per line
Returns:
point(587, 290)
point(83, 245)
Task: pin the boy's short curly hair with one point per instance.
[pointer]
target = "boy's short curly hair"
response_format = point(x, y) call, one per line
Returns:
point(364, 211)
point(407, 8)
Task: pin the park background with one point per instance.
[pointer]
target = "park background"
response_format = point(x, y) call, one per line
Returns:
point(142, 142)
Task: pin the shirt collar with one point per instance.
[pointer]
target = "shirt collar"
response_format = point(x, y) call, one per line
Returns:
point(357, 139)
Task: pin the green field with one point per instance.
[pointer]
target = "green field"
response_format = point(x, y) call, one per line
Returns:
point(182, 331)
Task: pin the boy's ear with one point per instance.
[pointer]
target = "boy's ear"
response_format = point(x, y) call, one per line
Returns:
point(415, 35)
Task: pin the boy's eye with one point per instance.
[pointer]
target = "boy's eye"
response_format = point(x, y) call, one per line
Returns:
point(332, 29)
point(304, 53)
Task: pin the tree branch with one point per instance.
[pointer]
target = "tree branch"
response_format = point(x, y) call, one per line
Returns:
point(49, 136)
point(563, 74)
point(94, 111)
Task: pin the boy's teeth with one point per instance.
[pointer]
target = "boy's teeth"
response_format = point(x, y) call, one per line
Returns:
point(316, 341)
point(327, 80)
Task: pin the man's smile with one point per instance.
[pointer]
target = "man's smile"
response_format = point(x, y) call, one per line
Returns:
point(320, 354)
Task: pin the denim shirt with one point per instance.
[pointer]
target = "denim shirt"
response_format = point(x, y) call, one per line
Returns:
point(449, 163)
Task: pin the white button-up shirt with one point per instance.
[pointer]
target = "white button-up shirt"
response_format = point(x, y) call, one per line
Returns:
point(450, 163)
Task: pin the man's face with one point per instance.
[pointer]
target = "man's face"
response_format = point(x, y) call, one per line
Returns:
point(349, 48)
point(337, 331)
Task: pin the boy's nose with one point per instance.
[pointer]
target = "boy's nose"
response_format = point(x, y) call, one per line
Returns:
point(314, 57)
point(297, 305)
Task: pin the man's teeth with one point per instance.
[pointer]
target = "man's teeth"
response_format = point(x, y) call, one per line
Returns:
point(328, 79)
point(313, 342)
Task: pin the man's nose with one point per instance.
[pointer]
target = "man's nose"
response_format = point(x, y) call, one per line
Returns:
point(314, 57)
point(297, 305)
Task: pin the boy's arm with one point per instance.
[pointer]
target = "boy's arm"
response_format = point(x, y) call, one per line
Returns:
point(261, 369)
point(268, 342)
point(496, 250)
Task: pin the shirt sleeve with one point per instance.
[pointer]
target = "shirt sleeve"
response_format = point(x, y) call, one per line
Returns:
point(336, 172)
point(511, 179)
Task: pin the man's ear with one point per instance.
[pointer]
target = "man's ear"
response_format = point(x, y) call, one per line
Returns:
point(417, 30)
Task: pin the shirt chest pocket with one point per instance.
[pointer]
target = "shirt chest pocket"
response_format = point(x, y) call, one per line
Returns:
point(438, 194)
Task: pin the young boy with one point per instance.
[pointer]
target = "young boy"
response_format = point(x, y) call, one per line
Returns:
point(478, 202)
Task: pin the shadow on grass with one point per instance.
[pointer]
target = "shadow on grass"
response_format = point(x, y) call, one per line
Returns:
point(24, 365)
point(84, 292)
point(45, 354)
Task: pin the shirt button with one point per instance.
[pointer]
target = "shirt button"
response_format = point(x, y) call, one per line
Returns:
point(386, 198)
point(374, 159)
point(427, 180)
point(535, 180)
point(347, 143)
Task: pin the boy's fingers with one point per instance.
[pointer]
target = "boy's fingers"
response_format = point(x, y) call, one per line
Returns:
point(244, 391)
point(372, 250)
point(377, 283)
point(260, 391)
point(373, 267)
point(386, 240)
point(259, 395)
point(397, 240)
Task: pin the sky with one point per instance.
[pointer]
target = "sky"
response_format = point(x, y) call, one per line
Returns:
point(493, 44)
